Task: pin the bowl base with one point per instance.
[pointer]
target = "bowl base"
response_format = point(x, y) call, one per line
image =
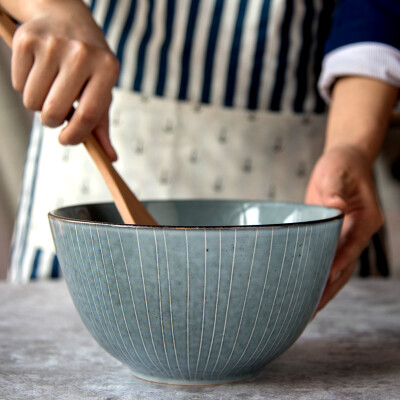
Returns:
point(199, 382)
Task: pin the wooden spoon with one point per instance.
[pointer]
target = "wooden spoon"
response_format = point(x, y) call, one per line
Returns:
point(130, 208)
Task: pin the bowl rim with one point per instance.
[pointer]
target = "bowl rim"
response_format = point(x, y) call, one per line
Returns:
point(340, 216)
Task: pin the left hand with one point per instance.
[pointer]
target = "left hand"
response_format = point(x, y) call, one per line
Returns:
point(342, 178)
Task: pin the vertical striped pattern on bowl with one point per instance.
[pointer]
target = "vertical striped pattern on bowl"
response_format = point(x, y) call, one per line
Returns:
point(195, 305)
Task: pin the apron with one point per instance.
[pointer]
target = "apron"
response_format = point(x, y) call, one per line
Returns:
point(216, 99)
point(167, 150)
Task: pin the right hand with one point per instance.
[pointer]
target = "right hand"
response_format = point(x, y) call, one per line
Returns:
point(60, 55)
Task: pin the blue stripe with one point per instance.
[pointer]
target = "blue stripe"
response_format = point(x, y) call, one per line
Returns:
point(301, 73)
point(125, 32)
point(210, 55)
point(277, 92)
point(324, 26)
point(187, 50)
point(92, 5)
point(233, 60)
point(25, 229)
point(162, 71)
point(254, 88)
point(143, 48)
point(55, 269)
point(36, 264)
point(110, 13)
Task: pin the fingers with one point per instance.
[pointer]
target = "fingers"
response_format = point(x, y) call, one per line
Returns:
point(352, 242)
point(53, 71)
point(69, 134)
point(333, 287)
point(93, 102)
point(65, 89)
point(101, 133)
point(343, 179)
point(22, 59)
point(363, 217)
point(354, 238)
point(38, 83)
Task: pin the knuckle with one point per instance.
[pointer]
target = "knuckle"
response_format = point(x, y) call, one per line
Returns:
point(70, 136)
point(111, 63)
point(24, 40)
point(18, 85)
point(31, 102)
point(79, 53)
point(52, 45)
point(87, 117)
point(110, 68)
point(52, 117)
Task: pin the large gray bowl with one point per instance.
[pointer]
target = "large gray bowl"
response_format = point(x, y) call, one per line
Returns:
point(213, 294)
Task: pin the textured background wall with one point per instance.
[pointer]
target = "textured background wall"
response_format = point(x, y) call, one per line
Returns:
point(14, 134)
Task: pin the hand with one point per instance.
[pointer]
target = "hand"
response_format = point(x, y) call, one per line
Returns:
point(59, 56)
point(342, 178)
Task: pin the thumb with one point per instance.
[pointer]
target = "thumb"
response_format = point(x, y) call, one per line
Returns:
point(334, 190)
point(334, 201)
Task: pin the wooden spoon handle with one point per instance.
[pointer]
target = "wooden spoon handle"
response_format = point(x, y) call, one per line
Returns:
point(130, 208)
point(7, 28)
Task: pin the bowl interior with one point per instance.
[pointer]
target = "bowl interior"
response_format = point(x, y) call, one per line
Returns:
point(207, 213)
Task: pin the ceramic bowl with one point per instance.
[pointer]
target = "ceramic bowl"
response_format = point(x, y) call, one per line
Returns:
point(212, 295)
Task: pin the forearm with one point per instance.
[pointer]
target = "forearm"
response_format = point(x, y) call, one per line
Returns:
point(359, 115)
point(23, 10)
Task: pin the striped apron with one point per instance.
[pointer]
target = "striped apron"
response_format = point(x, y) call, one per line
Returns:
point(215, 99)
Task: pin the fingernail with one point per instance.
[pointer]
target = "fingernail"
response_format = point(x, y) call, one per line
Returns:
point(50, 122)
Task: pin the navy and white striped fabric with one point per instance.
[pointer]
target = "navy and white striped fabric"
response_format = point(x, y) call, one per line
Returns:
point(257, 54)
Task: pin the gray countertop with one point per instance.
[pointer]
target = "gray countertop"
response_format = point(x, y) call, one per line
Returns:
point(350, 351)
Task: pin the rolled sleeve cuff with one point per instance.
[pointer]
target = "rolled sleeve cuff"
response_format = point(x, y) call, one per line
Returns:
point(369, 59)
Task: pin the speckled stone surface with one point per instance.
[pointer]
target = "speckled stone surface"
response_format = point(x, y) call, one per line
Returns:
point(350, 351)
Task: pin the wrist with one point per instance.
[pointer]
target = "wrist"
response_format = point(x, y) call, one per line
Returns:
point(357, 154)
point(365, 149)
point(24, 10)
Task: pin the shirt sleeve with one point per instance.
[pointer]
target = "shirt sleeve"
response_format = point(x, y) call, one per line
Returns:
point(364, 40)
